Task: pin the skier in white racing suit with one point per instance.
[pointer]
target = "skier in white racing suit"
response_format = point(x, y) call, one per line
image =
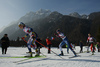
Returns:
point(32, 40)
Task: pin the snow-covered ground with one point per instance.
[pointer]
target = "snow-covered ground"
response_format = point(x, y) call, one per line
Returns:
point(85, 60)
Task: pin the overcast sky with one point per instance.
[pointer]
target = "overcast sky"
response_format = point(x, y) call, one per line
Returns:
point(12, 10)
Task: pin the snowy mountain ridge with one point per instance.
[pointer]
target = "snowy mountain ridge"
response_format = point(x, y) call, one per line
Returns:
point(75, 14)
point(42, 13)
point(46, 24)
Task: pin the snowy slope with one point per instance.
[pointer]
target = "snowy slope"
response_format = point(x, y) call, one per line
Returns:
point(51, 60)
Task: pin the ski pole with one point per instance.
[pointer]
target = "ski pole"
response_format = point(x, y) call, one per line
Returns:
point(49, 49)
point(24, 40)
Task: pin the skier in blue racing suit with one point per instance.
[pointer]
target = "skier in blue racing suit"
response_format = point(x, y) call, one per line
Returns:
point(64, 41)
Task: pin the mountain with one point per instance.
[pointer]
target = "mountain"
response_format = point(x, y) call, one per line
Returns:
point(94, 15)
point(77, 15)
point(29, 17)
point(75, 28)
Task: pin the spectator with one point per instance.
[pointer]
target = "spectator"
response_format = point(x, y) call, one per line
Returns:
point(81, 46)
point(48, 41)
point(5, 43)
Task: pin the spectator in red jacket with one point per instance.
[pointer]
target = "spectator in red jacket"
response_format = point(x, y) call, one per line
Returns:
point(48, 41)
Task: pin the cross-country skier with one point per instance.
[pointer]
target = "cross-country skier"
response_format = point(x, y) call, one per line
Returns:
point(91, 42)
point(64, 41)
point(32, 40)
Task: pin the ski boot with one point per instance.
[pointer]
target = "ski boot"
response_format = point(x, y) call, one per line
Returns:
point(92, 53)
point(62, 54)
point(74, 53)
point(67, 52)
point(29, 54)
point(37, 52)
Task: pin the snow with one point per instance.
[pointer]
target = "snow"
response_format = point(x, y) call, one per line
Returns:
point(86, 59)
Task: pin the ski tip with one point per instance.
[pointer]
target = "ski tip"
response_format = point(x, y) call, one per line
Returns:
point(75, 56)
point(60, 55)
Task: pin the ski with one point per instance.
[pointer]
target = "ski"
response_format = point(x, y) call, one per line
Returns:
point(13, 57)
point(27, 58)
point(74, 56)
point(22, 56)
point(60, 55)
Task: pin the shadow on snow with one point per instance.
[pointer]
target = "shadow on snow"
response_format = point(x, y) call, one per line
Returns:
point(84, 60)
